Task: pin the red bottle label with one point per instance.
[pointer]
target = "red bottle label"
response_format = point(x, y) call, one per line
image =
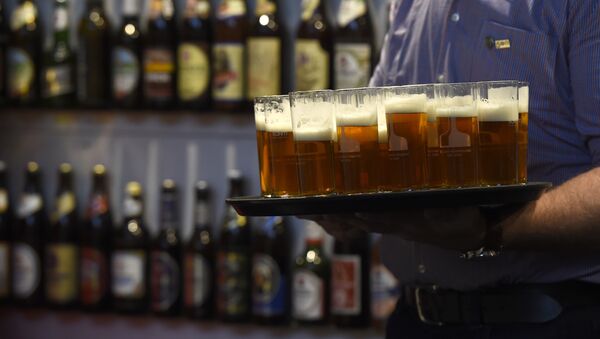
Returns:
point(345, 285)
point(93, 275)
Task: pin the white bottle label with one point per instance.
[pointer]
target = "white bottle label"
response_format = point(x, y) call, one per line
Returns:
point(308, 296)
point(30, 203)
point(26, 270)
point(352, 65)
point(128, 269)
point(385, 291)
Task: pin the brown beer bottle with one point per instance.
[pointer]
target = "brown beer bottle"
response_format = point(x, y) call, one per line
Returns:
point(23, 54)
point(271, 273)
point(353, 49)
point(194, 55)
point(95, 246)
point(93, 56)
point(199, 282)
point(350, 284)
point(310, 287)
point(234, 260)
point(5, 237)
point(165, 275)
point(314, 52)
point(229, 50)
point(265, 52)
point(159, 56)
point(28, 242)
point(3, 46)
point(62, 254)
point(129, 264)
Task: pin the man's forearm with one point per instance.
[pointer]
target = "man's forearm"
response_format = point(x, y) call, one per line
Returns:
point(566, 217)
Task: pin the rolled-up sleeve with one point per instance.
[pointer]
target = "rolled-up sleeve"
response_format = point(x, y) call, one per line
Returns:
point(584, 67)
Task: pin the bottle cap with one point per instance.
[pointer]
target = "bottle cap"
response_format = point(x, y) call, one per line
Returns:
point(32, 167)
point(99, 169)
point(65, 168)
point(134, 189)
point(168, 184)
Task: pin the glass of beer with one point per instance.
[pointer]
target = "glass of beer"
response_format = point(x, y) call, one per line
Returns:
point(356, 148)
point(523, 130)
point(313, 118)
point(284, 163)
point(382, 139)
point(406, 118)
point(264, 164)
point(457, 135)
point(498, 111)
point(436, 169)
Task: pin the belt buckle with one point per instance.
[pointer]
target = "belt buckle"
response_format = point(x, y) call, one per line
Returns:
point(425, 317)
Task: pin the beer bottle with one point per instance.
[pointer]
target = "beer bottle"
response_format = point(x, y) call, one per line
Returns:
point(61, 268)
point(3, 45)
point(310, 289)
point(93, 65)
point(126, 58)
point(234, 261)
point(165, 278)
point(59, 76)
point(28, 242)
point(200, 260)
point(265, 52)
point(5, 237)
point(313, 48)
point(385, 288)
point(271, 273)
point(353, 49)
point(95, 246)
point(350, 285)
point(229, 73)
point(129, 262)
point(193, 56)
point(159, 56)
point(23, 64)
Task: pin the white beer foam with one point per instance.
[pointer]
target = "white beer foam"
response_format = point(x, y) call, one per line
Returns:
point(259, 117)
point(501, 93)
point(415, 103)
point(498, 111)
point(281, 127)
point(356, 117)
point(314, 134)
point(457, 111)
point(524, 99)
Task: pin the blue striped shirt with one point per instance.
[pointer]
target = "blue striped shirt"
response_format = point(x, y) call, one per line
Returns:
point(555, 46)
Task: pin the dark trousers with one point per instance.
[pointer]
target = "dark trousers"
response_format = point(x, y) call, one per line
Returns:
point(580, 323)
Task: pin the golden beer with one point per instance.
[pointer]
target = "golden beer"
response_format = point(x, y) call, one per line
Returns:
point(263, 147)
point(523, 144)
point(284, 163)
point(315, 161)
point(356, 154)
point(436, 168)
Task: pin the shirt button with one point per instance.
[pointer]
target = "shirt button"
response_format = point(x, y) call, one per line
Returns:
point(441, 78)
point(455, 17)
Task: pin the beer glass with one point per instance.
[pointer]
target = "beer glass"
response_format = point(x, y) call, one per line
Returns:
point(356, 148)
point(313, 118)
point(498, 112)
point(436, 169)
point(523, 133)
point(457, 135)
point(284, 163)
point(264, 163)
point(406, 118)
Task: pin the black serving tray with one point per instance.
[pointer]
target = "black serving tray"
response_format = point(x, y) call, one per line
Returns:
point(389, 201)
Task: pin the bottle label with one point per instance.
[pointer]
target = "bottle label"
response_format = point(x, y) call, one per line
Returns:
point(231, 8)
point(308, 8)
point(351, 10)
point(93, 275)
point(312, 65)
point(20, 73)
point(61, 19)
point(165, 281)
point(26, 270)
point(23, 15)
point(4, 269)
point(61, 273)
point(126, 72)
point(161, 7)
point(233, 283)
point(99, 205)
point(30, 204)
point(264, 66)
point(265, 7)
point(309, 303)
point(194, 71)
point(385, 291)
point(159, 70)
point(57, 81)
point(346, 285)
point(228, 71)
point(65, 204)
point(352, 65)
point(269, 288)
point(197, 8)
point(129, 272)
point(3, 201)
point(132, 207)
point(197, 280)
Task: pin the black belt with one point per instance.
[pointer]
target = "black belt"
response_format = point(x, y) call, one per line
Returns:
point(515, 304)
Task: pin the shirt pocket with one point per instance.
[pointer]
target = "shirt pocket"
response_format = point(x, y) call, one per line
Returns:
point(527, 56)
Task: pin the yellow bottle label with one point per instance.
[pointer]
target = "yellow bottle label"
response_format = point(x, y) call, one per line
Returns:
point(312, 65)
point(194, 71)
point(20, 72)
point(200, 8)
point(231, 8)
point(352, 65)
point(65, 204)
point(23, 15)
point(264, 66)
point(228, 71)
point(308, 8)
point(351, 10)
point(265, 7)
point(61, 270)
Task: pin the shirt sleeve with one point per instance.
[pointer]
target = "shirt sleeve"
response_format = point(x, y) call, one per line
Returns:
point(584, 66)
point(380, 72)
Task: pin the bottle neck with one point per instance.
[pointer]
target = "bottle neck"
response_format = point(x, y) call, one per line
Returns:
point(202, 215)
point(32, 183)
point(168, 214)
point(65, 183)
point(236, 188)
point(99, 184)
